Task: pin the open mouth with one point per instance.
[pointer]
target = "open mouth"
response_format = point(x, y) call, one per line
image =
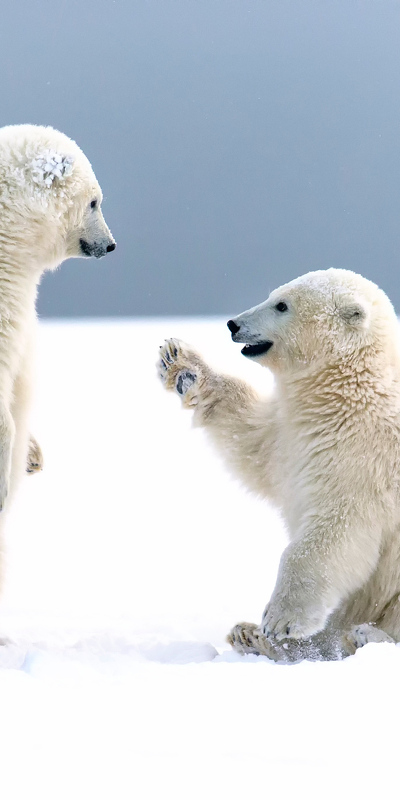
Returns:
point(256, 349)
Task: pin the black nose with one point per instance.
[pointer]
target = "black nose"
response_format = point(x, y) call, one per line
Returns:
point(232, 326)
point(111, 247)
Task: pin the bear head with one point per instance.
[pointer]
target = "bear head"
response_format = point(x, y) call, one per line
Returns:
point(321, 318)
point(50, 200)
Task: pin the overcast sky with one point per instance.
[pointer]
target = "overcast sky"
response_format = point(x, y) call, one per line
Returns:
point(239, 143)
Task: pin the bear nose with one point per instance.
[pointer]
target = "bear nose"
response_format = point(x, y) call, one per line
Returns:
point(111, 247)
point(232, 326)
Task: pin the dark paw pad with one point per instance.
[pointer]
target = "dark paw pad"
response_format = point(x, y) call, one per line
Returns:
point(185, 381)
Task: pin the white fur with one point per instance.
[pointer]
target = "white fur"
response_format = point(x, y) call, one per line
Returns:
point(325, 448)
point(46, 187)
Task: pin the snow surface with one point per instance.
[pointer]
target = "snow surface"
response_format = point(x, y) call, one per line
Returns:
point(128, 560)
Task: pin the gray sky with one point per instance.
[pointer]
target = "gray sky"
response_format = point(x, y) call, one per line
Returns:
point(238, 143)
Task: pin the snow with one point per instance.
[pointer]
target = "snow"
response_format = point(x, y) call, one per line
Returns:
point(128, 560)
point(50, 165)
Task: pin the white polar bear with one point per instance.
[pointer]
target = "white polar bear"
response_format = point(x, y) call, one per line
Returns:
point(49, 211)
point(325, 448)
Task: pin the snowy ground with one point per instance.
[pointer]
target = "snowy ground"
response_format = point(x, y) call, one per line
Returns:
point(128, 560)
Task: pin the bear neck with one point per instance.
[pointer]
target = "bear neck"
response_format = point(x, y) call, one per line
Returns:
point(18, 290)
point(363, 381)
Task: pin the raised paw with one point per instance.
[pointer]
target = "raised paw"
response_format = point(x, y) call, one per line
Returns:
point(35, 457)
point(178, 368)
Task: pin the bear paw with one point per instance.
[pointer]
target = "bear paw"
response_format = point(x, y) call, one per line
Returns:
point(35, 457)
point(246, 637)
point(282, 621)
point(178, 368)
point(366, 633)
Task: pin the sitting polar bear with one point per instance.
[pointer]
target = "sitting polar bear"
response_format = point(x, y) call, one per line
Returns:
point(49, 211)
point(324, 448)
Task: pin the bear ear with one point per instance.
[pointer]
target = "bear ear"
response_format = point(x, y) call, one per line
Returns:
point(354, 311)
point(50, 166)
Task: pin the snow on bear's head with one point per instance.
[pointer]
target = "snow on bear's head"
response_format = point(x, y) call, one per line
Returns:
point(323, 317)
point(50, 200)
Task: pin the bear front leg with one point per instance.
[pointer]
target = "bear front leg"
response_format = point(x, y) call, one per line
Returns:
point(316, 573)
point(241, 425)
point(295, 610)
point(35, 457)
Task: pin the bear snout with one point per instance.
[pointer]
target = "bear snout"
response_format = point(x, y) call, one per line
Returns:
point(233, 327)
point(96, 249)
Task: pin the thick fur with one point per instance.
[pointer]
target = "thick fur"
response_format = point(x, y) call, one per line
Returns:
point(49, 210)
point(324, 448)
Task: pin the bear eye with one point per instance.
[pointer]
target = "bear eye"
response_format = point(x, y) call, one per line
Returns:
point(93, 204)
point(281, 307)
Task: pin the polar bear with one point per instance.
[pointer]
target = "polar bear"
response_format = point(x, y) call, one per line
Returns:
point(324, 448)
point(49, 211)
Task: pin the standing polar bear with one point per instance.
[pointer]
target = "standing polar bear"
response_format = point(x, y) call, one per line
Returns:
point(49, 211)
point(324, 448)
